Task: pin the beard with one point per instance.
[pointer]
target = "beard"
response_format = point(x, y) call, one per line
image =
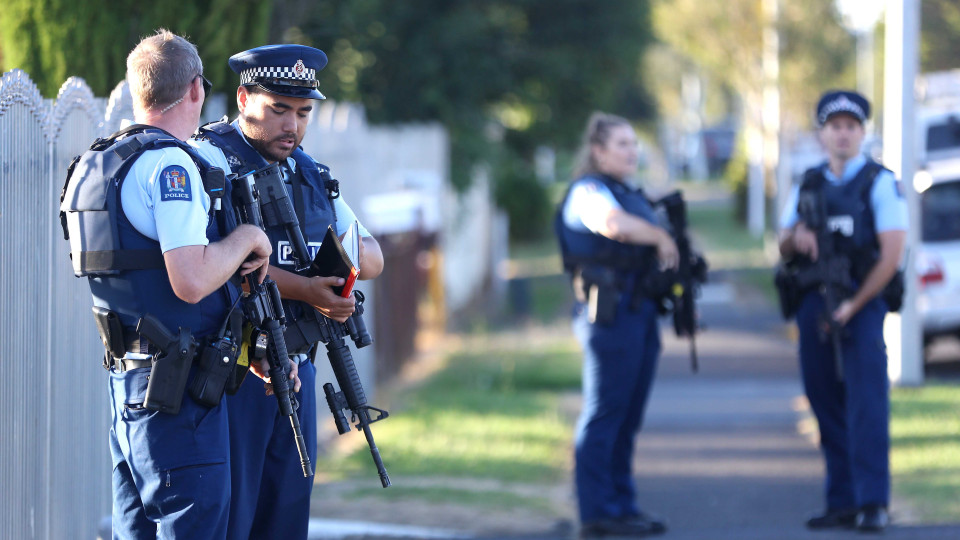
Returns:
point(267, 144)
point(269, 149)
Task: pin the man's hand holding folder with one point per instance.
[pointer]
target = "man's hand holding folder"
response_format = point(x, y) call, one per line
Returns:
point(340, 259)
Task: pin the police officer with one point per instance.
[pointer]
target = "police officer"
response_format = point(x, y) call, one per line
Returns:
point(609, 241)
point(277, 93)
point(158, 249)
point(867, 217)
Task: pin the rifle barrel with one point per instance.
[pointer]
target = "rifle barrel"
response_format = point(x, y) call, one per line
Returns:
point(364, 417)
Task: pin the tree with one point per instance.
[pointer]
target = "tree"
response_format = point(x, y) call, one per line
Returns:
point(54, 39)
point(940, 37)
point(725, 40)
point(503, 76)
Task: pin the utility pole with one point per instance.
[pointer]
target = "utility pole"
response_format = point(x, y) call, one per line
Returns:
point(902, 331)
point(771, 99)
point(762, 138)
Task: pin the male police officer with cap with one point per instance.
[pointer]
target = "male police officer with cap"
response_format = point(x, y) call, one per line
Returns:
point(867, 217)
point(158, 250)
point(277, 90)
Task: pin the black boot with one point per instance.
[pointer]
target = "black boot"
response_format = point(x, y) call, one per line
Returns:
point(656, 524)
point(872, 518)
point(616, 528)
point(834, 519)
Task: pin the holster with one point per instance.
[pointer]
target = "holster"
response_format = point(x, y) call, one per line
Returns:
point(788, 290)
point(892, 294)
point(599, 288)
point(168, 379)
point(171, 366)
point(111, 334)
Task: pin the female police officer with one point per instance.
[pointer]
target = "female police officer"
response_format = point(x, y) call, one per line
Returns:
point(609, 241)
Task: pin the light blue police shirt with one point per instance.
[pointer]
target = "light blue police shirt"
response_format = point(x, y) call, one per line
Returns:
point(886, 199)
point(587, 204)
point(163, 198)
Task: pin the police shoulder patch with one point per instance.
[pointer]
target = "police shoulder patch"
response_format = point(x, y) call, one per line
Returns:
point(174, 184)
point(897, 189)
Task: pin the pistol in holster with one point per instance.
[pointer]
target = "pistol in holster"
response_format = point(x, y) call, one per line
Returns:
point(600, 291)
point(171, 366)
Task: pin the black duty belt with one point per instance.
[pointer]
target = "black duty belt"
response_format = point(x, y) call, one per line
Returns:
point(133, 345)
point(126, 364)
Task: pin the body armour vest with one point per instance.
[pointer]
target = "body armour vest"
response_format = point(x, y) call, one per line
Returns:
point(587, 248)
point(849, 215)
point(125, 268)
point(311, 189)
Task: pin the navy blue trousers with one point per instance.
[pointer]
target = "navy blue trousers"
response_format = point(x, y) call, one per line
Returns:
point(170, 472)
point(270, 496)
point(853, 414)
point(619, 363)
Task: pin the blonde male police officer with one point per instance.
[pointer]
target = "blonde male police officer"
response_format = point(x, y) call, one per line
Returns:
point(278, 90)
point(158, 249)
point(867, 216)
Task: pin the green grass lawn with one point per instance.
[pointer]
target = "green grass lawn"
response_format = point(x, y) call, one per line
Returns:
point(925, 456)
point(494, 412)
point(718, 230)
point(481, 499)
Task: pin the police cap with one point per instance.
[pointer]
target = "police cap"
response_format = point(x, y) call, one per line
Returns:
point(285, 70)
point(842, 102)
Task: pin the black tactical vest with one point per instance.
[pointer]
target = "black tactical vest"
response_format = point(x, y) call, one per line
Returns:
point(311, 189)
point(582, 248)
point(125, 269)
point(849, 215)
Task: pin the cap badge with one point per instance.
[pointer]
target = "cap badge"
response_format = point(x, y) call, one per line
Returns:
point(299, 68)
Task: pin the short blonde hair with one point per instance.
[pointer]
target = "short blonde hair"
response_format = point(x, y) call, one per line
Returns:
point(159, 69)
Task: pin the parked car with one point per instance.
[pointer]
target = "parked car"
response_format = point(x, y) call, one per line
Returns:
point(938, 257)
point(937, 260)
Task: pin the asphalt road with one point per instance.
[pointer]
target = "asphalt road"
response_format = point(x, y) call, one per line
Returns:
point(723, 454)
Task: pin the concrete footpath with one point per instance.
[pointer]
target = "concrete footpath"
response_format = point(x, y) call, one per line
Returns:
point(730, 452)
point(723, 454)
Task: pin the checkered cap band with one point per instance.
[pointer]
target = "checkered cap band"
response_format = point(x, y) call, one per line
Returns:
point(253, 75)
point(841, 104)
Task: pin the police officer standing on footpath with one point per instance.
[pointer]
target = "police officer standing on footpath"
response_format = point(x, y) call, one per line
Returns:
point(144, 231)
point(609, 242)
point(866, 216)
point(277, 92)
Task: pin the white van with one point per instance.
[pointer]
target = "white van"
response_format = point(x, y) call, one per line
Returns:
point(937, 182)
